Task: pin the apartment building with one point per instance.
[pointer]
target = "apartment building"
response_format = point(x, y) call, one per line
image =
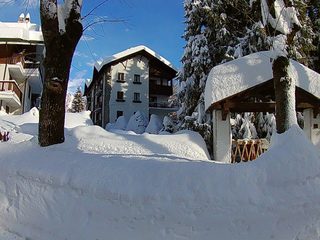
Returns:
point(21, 54)
point(137, 79)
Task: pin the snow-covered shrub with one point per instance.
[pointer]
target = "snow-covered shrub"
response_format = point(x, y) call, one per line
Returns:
point(137, 123)
point(168, 125)
point(155, 124)
point(121, 123)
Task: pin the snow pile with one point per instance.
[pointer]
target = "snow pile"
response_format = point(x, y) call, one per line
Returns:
point(66, 192)
point(155, 124)
point(137, 123)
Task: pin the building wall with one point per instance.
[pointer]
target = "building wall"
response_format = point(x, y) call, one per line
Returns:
point(4, 74)
point(130, 67)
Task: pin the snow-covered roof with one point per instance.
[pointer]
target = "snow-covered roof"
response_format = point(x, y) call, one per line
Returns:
point(98, 65)
point(243, 73)
point(20, 31)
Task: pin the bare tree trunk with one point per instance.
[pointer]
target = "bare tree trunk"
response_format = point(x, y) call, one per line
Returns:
point(60, 47)
point(285, 95)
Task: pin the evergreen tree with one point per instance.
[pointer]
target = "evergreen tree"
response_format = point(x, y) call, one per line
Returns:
point(78, 103)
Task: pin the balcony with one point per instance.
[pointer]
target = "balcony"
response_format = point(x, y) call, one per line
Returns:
point(160, 89)
point(16, 58)
point(163, 105)
point(10, 93)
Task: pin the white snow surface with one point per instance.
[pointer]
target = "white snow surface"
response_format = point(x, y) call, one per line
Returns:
point(66, 192)
point(243, 73)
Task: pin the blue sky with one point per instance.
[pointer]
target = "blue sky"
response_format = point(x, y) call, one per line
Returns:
point(158, 24)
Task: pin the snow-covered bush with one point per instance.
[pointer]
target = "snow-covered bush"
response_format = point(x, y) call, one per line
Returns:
point(155, 124)
point(137, 123)
point(168, 125)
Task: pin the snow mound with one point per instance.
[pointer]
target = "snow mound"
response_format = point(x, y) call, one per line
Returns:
point(186, 145)
point(137, 123)
point(155, 124)
point(78, 119)
point(157, 187)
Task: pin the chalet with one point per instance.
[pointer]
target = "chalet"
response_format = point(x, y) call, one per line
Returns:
point(137, 79)
point(21, 52)
point(246, 85)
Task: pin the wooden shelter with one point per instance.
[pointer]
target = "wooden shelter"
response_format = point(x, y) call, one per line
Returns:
point(246, 85)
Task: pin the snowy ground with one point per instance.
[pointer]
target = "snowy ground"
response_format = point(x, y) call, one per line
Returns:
point(101, 185)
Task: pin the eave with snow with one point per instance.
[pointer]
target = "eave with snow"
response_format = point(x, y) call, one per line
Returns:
point(246, 85)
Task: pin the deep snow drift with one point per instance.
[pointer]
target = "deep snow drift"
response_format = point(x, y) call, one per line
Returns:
point(98, 186)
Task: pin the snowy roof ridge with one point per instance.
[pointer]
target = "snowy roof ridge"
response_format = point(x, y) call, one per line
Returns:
point(98, 65)
point(243, 73)
point(20, 30)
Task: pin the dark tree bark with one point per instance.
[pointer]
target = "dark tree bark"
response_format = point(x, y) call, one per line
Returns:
point(285, 94)
point(60, 46)
point(284, 85)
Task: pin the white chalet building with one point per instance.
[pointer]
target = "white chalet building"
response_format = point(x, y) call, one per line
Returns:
point(21, 52)
point(137, 79)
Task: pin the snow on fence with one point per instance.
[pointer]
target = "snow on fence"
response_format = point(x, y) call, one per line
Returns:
point(244, 150)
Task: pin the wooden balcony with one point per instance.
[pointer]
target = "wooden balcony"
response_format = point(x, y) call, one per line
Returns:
point(11, 85)
point(161, 105)
point(16, 58)
point(160, 89)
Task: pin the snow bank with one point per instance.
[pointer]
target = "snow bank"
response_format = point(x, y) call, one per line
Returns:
point(128, 191)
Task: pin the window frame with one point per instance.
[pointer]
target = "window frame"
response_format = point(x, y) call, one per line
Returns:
point(121, 77)
point(136, 97)
point(135, 77)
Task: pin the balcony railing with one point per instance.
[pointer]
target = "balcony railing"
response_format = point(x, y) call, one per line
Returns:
point(160, 105)
point(17, 58)
point(11, 85)
point(160, 89)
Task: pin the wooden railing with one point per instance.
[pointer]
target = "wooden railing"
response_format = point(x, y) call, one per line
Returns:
point(17, 58)
point(244, 150)
point(160, 105)
point(11, 85)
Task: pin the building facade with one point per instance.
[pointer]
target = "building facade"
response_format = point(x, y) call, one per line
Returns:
point(21, 55)
point(134, 80)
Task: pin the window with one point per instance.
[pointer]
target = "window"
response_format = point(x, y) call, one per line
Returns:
point(120, 97)
point(136, 79)
point(120, 77)
point(7, 109)
point(29, 94)
point(119, 114)
point(153, 101)
point(136, 97)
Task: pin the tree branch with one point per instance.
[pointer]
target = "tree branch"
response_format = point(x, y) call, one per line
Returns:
point(92, 10)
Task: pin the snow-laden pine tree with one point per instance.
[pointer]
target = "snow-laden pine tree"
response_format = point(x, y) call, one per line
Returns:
point(78, 103)
point(218, 31)
point(197, 62)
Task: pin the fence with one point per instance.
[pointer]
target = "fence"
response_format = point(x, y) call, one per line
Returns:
point(244, 150)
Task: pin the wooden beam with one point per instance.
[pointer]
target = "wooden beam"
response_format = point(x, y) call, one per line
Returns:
point(252, 107)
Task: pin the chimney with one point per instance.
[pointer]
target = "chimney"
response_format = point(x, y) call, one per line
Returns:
point(28, 18)
point(21, 18)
